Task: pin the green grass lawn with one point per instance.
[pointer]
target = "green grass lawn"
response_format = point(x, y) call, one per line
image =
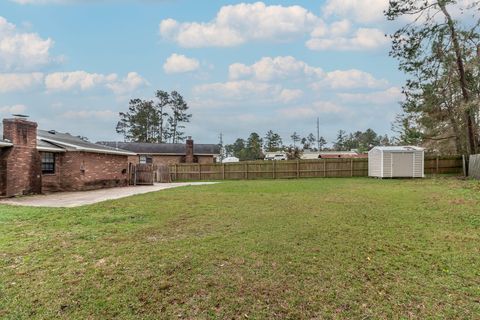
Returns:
point(287, 249)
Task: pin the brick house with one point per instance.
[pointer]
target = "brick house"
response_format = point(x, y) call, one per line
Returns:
point(34, 161)
point(168, 153)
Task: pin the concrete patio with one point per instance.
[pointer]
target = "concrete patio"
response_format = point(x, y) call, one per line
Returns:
point(81, 198)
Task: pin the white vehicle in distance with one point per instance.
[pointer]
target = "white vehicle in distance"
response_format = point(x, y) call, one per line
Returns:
point(275, 156)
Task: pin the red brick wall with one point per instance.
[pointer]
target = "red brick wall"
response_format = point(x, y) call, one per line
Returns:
point(134, 159)
point(76, 171)
point(20, 165)
point(3, 171)
point(205, 159)
point(167, 160)
point(189, 156)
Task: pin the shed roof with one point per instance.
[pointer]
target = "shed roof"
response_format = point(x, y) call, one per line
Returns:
point(309, 155)
point(68, 142)
point(163, 148)
point(399, 148)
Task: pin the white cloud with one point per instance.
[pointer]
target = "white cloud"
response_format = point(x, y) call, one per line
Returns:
point(361, 39)
point(340, 28)
point(76, 80)
point(10, 82)
point(87, 114)
point(22, 51)
point(268, 69)
point(365, 11)
point(81, 80)
point(349, 79)
point(177, 63)
point(289, 95)
point(129, 84)
point(390, 96)
point(325, 108)
point(18, 108)
point(240, 90)
point(372, 11)
point(237, 24)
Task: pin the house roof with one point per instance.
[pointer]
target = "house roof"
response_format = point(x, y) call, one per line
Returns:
point(67, 142)
point(163, 148)
point(48, 147)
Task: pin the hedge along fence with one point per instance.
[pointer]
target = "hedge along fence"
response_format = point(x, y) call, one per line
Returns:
point(321, 168)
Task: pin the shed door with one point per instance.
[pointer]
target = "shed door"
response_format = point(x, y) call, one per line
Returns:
point(402, 164)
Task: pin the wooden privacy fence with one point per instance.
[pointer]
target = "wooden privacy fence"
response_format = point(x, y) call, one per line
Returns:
point(321, 168)
point(474, 167)
point(148, 174)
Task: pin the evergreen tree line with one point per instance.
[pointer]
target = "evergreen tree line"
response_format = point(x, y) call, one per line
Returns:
point(254, 147)
point(361, 141)
point(155, 121)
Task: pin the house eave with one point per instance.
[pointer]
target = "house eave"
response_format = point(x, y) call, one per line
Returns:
point(54, 150)
point(90, 150)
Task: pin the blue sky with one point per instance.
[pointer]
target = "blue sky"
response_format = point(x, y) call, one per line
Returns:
point(242, 66)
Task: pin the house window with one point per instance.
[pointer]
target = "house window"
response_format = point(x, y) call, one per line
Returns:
point(146, 160)
point(48, 162)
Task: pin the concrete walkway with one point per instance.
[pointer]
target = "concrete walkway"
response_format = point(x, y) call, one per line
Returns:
point(81, 198)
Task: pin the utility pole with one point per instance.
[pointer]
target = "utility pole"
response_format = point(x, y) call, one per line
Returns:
point(318, 133)
point(222, 155)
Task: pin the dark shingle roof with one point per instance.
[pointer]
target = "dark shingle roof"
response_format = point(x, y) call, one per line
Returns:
point(163, 148)
point(47, 146)
point(72, 143)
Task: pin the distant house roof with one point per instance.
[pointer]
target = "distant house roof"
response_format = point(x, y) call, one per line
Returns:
point(230, 160)
point(162, 148)
point(53, 141)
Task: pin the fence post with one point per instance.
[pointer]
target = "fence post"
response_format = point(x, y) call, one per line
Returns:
point(135, 176)
point(175, 173)
point(351, 166)
point(274, 170)
point(298, 169)
point(246, 170)
point(324, 168)
point(223, 171)
point(199, 172)
point(438, 165)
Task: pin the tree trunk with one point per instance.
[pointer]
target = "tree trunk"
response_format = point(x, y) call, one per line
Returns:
point(456, 131)
point(469, 115)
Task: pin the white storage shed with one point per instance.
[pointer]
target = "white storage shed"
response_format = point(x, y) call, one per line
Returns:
point(396, 162)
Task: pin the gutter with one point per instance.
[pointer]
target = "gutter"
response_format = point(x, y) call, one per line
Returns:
point(55, 150)
point(5, 144)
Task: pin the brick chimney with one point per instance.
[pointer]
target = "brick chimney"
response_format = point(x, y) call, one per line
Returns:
point(20, 165)
point(189, 156)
